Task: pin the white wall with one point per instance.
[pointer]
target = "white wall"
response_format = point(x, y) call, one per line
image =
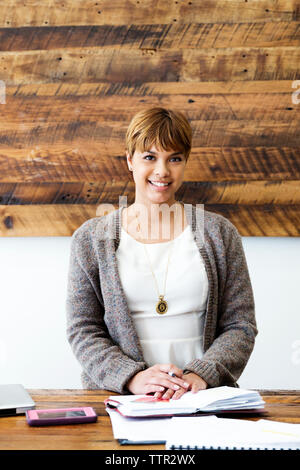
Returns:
point(33, 346)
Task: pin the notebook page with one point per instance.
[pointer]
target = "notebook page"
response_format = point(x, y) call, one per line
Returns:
point(292, 430)
point(227, 433)
point(222, 397)
point(147, 402)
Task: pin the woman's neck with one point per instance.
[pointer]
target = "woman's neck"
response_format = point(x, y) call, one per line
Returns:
point(154, 225)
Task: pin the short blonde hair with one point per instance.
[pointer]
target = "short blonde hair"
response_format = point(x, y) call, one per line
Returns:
point(164, 128)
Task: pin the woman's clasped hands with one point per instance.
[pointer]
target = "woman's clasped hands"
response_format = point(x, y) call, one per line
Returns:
point(157, 380)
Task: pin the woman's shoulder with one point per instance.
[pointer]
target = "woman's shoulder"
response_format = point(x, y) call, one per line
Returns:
point(86, 242)
point(215, 220)
point(96, 229)
point(216, 231)
point(207, 218)
point(87, 228)
point(212, 222)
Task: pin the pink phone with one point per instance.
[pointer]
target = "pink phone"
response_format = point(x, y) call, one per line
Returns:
point(84, 414)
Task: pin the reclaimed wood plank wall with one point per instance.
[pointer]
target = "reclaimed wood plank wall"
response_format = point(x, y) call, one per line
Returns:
point(74, 72)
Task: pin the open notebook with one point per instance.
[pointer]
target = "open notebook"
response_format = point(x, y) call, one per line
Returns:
point(212, 400)
point(231, 434)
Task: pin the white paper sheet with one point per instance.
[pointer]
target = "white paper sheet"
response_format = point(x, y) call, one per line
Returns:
point(232, 433)
point(142, 429)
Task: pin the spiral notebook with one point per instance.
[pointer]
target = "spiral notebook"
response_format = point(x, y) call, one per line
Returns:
point(213, 433)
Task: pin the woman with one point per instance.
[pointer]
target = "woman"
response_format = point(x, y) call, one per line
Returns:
point(164, 304)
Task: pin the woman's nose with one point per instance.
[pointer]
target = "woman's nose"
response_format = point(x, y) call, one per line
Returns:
point(162, 169)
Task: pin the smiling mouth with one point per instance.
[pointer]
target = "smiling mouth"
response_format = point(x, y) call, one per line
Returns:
point(159, 185)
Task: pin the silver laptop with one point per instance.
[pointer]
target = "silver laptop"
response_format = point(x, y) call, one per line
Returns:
point(14, 400)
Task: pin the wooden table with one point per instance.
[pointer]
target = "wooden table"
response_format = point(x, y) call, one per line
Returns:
point(16, 434)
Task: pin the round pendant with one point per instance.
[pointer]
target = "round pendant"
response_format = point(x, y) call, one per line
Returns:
point(161, 306)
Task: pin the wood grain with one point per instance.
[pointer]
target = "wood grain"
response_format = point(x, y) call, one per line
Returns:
point(47, 220)
point(25, 107)
point(16, 434)
point(62, 220)
point(154, 37)
point(77, 12)
point(149, 89)
point(138, 65)
point(88, 162)
point(75, 73)
point(35, 119)
point(205, 192)
point(207, 133)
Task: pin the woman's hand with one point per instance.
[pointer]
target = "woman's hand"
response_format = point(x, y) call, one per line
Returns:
point(195, 382)
point(157, 379)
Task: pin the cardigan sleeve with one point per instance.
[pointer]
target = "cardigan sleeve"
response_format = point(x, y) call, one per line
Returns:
point(101, 359)
point(224, 361)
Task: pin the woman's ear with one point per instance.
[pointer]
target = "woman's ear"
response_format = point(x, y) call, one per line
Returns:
point(129, 161)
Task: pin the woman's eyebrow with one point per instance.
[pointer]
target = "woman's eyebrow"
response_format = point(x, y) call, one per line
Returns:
point(155, 153)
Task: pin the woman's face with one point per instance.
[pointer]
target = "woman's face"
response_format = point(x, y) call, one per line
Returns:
point(156, 165)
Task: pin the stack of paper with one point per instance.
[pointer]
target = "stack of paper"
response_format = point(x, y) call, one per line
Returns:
point(139, 430)
point(212, 400)
point(206, 432)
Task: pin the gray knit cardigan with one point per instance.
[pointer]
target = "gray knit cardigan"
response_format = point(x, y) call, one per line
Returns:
point(100, 328)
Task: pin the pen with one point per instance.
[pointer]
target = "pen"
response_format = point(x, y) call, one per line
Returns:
point(172, 374)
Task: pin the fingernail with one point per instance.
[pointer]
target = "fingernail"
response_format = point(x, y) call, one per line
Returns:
point(176, 387)
point(186, 384)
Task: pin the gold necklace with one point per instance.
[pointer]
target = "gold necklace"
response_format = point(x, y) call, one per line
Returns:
point(162, 305)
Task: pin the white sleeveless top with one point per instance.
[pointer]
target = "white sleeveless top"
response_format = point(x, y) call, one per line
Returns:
point(177, 336)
